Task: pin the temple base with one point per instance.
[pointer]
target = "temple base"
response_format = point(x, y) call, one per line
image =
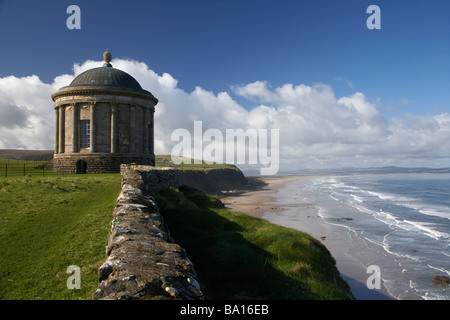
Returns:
point(76, 163)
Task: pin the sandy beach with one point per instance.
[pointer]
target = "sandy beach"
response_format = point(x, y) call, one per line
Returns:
point(257, 200)
point(262, 200)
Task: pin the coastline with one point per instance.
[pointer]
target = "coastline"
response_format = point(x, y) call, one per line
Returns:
point(260, 200)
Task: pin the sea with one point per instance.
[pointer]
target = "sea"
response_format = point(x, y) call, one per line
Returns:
point(402, 219)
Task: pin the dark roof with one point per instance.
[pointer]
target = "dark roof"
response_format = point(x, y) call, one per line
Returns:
point(106, 76)
point(105, 79)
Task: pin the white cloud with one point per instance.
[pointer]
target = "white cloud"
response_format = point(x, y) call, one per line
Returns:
point(316, 128)
point(26, 113)
point(257, 90)
point(348, 82)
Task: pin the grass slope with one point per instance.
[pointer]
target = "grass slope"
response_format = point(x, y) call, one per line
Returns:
point(189, 164)
point(48, 224)
point(240, 257)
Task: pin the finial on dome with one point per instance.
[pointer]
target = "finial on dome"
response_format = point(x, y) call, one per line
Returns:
point(107, 58)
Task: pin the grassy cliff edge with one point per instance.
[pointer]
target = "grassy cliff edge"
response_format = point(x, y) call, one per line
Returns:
point(242, 257)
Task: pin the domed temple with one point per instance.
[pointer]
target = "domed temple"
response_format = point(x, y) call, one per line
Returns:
point(103, 119)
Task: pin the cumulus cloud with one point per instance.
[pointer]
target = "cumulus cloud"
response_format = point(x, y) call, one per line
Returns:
point(26, 117)
point(11, 115)
point(316, 129)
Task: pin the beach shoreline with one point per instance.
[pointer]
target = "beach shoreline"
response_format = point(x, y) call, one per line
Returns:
point(260, 200)
point(256, 199)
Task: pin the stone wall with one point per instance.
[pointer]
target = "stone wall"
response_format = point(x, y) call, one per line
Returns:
point(150, 179)
point(97, 162)
point(142, 261)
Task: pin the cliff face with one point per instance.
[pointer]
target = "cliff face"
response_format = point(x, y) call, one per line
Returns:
point(210, 181)
point(214, 181)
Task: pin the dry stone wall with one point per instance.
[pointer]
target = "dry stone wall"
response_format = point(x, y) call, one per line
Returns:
point(142, 260)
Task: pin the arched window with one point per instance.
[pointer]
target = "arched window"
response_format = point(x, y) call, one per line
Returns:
point(85, 134)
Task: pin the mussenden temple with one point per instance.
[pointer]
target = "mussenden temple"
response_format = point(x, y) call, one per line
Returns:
point(103, 119)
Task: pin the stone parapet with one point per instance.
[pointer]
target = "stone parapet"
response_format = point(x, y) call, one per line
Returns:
point(142, 260)
point(150, 179)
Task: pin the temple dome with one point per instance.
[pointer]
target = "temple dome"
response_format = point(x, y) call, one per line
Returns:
point(105, 78)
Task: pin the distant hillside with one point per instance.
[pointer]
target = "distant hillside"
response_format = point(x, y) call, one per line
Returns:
point(372, 170)
point(188, 164)
point(32, 155)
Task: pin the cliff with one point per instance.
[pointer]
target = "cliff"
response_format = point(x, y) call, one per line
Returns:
point(214, 181)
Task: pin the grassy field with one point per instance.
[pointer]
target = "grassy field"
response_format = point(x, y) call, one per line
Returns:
point(188, 164)
point(48, 224)
point(12, 168)
point(241, 257)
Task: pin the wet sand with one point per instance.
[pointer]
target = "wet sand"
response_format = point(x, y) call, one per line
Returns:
point(261, 201)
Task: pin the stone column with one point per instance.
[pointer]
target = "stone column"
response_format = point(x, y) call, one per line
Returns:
point(74, 128)
point(93, 123)
point(56, 129)
point(113, 128)
point(146, 123)
point(152, 132)
point(62, 125)
point(132, 128)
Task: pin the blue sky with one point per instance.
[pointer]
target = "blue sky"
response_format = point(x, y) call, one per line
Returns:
point(221, 43)
point(402, 69)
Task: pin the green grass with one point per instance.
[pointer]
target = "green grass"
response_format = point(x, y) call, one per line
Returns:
point(240, 257)
point(48, 224)
point(188, 164)
point(10, 168)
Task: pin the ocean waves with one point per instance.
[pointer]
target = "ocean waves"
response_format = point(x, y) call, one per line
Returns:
point(405, 217)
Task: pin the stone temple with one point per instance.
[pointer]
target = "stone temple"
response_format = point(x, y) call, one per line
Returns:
point(103, 119)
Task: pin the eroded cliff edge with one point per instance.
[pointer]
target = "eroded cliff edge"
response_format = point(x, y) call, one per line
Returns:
point(214, 181)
